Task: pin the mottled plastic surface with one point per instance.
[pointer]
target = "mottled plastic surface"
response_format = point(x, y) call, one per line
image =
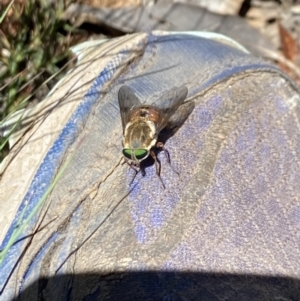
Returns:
point(226, 228)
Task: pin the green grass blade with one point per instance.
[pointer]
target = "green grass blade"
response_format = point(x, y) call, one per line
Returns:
point(6, 11)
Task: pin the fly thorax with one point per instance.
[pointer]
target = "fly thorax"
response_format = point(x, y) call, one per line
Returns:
point(140, 134)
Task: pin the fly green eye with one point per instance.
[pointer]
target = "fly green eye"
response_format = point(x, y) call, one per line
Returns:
point(141, 154)
point(127, 153)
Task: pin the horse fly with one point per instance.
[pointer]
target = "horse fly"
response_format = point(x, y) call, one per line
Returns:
point(143, 122)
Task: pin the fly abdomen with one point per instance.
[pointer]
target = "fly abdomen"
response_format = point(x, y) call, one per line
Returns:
point(149, 113)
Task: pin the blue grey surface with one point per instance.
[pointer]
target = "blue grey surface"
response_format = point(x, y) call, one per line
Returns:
point(225, 228)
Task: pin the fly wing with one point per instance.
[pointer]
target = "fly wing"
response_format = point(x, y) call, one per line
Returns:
point(181, 115)
point(127, 101)
point(169, 103)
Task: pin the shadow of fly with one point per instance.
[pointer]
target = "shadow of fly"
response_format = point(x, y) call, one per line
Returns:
point(142, 124)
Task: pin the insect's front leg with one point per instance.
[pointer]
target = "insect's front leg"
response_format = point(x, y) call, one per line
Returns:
point(132, 166)
point(167, 154)
point(161, 145)
point(157, 166)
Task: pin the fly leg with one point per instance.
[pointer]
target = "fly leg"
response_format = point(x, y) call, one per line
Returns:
point(132, 166)
point(162, 146)
point(157, 167)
